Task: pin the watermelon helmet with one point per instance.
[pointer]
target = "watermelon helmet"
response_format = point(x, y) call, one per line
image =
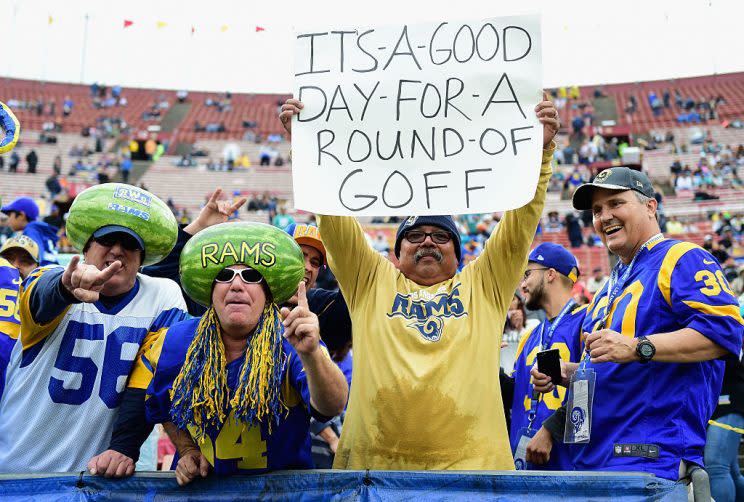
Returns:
point(264, 248)
point(128, 208)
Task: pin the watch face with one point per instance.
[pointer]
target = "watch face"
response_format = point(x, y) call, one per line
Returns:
point(646, 350)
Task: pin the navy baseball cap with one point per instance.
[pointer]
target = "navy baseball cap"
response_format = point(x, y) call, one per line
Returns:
point(118, 229)
point(557, 257)
point(25, 205)
point(614, 178)
point(446, 223)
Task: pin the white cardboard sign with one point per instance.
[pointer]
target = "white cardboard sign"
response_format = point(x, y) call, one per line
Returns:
point(418, 119)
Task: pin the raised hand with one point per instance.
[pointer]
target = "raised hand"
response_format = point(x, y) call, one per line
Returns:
point(547, 114)
point(289, 108)
point(214, 212)
point(301, 327)
point(84, 281)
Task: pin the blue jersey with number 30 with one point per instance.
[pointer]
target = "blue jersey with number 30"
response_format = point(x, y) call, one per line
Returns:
point(235, 448)
point(672, 285)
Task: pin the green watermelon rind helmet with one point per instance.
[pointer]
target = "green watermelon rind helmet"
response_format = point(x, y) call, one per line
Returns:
point(265, 248)
point(127, 206)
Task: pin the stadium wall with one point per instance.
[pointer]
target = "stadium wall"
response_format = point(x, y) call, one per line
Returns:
point(348, 486)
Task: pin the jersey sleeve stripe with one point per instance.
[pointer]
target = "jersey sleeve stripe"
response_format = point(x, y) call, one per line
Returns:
point(12, 329)
point(717, 310)
point(147, 360)
point(32, 333)
point(667, 267)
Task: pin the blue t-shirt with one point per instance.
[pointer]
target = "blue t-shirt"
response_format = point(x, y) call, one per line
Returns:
point(45, 236)
point(235, 448)
point(672, 285)
point(567, 339)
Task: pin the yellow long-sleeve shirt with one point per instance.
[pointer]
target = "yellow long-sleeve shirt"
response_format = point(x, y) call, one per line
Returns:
point(425, 391)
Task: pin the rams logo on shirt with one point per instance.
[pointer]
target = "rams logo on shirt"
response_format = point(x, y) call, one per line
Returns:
point(427, 311)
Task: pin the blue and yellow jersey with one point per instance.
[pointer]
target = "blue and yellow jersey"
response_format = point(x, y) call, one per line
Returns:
point(10, 319)
point(234, 448)
point(567, 339)
point(673, 285)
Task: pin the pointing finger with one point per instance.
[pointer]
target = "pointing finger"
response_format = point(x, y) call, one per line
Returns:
point(302, 296)
point(108, 272)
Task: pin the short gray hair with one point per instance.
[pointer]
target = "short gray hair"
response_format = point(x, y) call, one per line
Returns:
point(642, 198)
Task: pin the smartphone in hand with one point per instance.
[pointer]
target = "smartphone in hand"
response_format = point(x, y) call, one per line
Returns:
point(549, 363)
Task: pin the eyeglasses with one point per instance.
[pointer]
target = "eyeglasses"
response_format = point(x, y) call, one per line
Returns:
point(418, 236)
point(126, 241)
point(530, 270)
point(247, 275)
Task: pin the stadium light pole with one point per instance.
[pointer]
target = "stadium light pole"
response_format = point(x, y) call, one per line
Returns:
point(85, 47)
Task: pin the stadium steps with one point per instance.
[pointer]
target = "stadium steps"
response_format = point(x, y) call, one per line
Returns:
point(175, 116)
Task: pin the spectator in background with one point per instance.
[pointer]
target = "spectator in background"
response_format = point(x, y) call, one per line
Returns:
point(517, 325)
point(32, 160)
point(712, 246)
point(674, 226)
point(282, 219)
point(554, 222)
point(684, 182)
point(57, 165)
point(22, 214)
point(52, 185)
point(722, 444)
point(596, 281)
point(23, 253)
point(381, 244)
point(573, 229)
point(577, 124)
point(14, 161)
point(264, 154)
point(126, 167)
point(67, 106)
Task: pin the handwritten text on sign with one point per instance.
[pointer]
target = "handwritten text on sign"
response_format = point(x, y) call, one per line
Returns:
point(418, 119)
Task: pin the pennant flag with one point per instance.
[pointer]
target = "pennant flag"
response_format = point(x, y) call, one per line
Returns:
point(51, 19)
point(162, 24)
point(258, 28)
point(223, 28)
point(128, 23)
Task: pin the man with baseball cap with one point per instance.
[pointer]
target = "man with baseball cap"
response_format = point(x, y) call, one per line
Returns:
point(655, 333)
point(81, 327)
point(23, 253)
point(427, 337)
point(547, 283)
point(22, 219)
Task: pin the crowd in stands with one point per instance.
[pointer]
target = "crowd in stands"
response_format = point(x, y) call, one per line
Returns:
point(717, 167)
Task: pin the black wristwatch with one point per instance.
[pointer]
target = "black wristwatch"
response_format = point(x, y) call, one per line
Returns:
point(645, 349)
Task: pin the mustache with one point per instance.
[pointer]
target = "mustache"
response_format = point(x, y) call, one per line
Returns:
point(423, 252)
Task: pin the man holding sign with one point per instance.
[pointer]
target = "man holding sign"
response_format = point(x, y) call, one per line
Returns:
point(427, 338)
